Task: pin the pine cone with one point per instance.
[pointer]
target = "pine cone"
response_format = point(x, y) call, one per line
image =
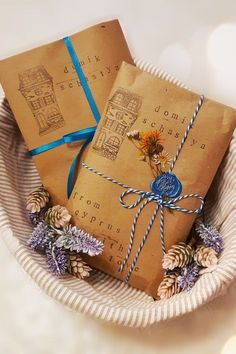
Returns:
point(37, 200)
point(205, 256)
point(178, 256)
point(57, 216)
point(77, 267)
point(169, 286)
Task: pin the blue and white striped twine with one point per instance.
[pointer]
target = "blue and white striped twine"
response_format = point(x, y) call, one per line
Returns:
point(148, 197)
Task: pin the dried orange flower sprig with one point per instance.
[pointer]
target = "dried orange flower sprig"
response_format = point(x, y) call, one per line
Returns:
point(151, 149)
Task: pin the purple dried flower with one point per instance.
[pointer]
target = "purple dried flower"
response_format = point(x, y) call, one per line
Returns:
point(78, 240)
point(188, 276)
point(36, 217)
point(210, 236)
point(88, 244)
point(38, 238)
point(56, 259)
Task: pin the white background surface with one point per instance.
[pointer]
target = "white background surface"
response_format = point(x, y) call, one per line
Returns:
point(196, 42)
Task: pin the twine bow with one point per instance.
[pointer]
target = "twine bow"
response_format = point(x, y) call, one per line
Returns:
point(147, 197)
point(161, 203)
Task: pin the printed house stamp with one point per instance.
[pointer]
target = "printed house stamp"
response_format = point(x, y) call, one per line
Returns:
point(36, 85)
point(121, 113)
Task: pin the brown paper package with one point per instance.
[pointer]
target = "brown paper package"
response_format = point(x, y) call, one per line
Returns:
point(48, 102)
point(140, 101)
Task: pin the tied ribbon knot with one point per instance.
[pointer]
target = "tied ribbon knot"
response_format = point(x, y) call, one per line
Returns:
point(145, 198)
point(161, 202)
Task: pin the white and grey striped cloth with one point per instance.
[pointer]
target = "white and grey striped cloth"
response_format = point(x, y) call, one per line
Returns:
point(103, 296)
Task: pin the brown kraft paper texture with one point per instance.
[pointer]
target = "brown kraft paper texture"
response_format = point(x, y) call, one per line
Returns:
point(48, 101)
point(140, 101)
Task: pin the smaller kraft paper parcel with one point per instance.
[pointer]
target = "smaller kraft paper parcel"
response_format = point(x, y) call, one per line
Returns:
point(48, 100)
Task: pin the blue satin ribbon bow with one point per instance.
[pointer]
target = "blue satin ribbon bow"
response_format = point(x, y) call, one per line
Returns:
point(83, 134)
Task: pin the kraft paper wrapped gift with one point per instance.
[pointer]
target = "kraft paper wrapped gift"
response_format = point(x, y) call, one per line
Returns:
point(48, 101)
point(140, 102)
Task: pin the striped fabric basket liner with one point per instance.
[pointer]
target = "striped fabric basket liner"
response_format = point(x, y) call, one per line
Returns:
point(102, 296)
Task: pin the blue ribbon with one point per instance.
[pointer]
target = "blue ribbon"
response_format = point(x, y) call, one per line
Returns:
point(82, 78)
point(83, 134)
point(73, 165)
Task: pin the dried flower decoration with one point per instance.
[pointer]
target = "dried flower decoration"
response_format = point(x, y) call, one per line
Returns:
point(36, 217)
point(56, 259)
point(39, 237)
point(188, 276)
point(161, 159)
point(209, 236)
point(150, 142)
point(74, 239)
point(151, 149)
point(61, 242)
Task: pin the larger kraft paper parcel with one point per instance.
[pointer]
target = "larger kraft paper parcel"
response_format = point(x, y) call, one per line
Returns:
point(147, 105)
point(48, 101)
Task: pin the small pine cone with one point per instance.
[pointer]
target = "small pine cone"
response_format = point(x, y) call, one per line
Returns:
point(178, 255)
point(205, 256)
point(57, 216)
point(169, 286)
point(37, 200)
point(77, 267)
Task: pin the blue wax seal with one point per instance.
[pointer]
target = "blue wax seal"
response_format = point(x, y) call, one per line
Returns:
point(166, 185)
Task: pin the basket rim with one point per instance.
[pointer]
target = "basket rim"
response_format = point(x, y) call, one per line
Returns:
point(153, 312)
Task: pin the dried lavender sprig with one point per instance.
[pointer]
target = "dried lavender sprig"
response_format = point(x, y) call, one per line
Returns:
point(188, 276)
point(88, 244)
point(74, 239)
point(39, 237)
point(36, 217)
point(56, 259)
point(210, 236)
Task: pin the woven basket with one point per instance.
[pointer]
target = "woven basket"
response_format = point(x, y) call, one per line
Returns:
point(103, 296)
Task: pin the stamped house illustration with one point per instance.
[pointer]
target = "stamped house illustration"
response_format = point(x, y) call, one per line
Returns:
point(36, 85)
point(121, 113)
